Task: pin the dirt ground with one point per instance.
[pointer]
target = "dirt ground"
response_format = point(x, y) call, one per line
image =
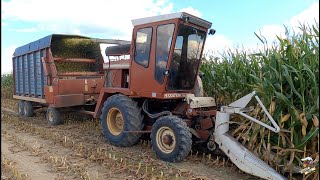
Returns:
point(30, 149)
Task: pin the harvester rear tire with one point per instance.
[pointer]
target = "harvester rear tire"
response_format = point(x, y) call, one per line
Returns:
point(171, 139)
point(28, 109)
point(53, 116)
point(120, 113)
point(21, 108)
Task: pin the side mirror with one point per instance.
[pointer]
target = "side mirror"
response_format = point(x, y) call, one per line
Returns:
point(185, 19)
point(212, 32)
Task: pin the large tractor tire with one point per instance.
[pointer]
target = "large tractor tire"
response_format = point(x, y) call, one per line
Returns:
point(21, 108)
point(28, 109)
point(53, 116)
point(171, 139)
point(119, 114)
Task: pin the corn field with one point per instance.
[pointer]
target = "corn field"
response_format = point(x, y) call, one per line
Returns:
point(6, 86)
point(286, 78)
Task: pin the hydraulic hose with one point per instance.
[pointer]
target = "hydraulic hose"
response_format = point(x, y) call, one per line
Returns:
point(156, 115)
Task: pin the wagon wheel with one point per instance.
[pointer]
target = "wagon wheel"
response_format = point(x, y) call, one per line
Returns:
point(53, 116)
point(21, 108)
point(28, 109)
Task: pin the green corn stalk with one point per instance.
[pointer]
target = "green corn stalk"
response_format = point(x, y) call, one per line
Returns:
point(286, 75)
point(7, 85)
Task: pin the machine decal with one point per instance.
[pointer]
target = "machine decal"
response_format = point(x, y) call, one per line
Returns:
point(173, 95)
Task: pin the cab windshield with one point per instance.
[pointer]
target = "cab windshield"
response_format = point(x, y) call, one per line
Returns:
point(185, 58)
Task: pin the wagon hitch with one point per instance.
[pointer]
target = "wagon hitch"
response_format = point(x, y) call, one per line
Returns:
point(238, 154)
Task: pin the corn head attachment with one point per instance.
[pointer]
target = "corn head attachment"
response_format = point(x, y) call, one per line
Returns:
point(238, 154)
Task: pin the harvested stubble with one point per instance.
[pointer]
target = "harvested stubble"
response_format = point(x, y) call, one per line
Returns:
point(8, 167)
point(107, 156)
point(286, 77)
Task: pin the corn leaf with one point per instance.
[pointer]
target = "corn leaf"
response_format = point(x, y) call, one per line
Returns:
point(308, 137)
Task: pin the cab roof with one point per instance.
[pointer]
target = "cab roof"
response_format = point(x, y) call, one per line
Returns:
point(178, 15)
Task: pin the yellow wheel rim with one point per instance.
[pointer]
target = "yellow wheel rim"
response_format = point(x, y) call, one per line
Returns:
point(166, 139)
point(115, 121)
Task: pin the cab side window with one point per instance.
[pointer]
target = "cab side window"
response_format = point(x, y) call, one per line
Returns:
point(142, 47)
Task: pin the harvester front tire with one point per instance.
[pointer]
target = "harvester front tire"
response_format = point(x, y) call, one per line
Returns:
point(171, 139)
point(21, 108)
point(28, 109)
point(53, 116)
point(120, 113)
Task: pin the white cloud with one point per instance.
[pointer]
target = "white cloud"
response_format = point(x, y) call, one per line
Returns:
point(219, 43)
point(191, 11)
point(110, 18)
point(6, 59)
point(76, 31)
point(4, 24)
point(308, 16)
point(33, 29)
point(269, 32)
point(216, 44)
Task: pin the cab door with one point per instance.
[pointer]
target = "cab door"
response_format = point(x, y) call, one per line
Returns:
point(152, 46)
point(142, 57)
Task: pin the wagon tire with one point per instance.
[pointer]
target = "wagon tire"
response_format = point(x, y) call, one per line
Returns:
point(171, 139)
point(28, 109)
point(119, 114)
point(21, 108)
point(53, 116)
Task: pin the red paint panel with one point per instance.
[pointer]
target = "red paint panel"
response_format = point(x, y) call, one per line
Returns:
point(68, 100)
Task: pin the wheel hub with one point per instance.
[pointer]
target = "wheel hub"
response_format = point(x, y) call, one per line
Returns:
point(166, 139)
point(211, 145)
point(115, 121)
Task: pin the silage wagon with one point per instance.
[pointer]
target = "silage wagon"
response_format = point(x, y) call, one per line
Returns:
point(60, 72)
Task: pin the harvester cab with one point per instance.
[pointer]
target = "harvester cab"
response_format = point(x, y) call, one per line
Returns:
point(165, 50)
point(154, 92)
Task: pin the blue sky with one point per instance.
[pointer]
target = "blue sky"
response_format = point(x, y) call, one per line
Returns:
point(23, 21)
